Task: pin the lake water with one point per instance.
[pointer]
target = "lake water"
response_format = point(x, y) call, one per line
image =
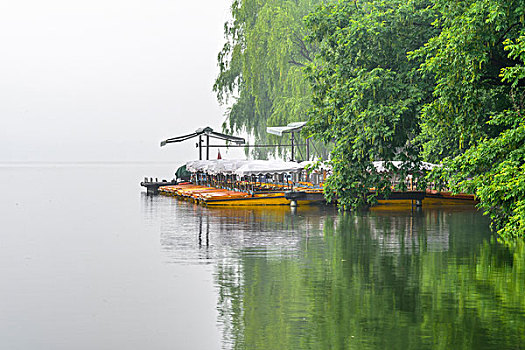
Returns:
point(89, 261)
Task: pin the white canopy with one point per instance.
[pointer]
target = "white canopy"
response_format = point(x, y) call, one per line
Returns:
point(257, 167)
point(198, 165)
point(242, 167)
point(226, 166)
point(280, 130)
point(381, 165)
point(321, 166)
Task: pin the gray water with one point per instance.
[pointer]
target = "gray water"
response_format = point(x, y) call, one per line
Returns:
point(89, 261)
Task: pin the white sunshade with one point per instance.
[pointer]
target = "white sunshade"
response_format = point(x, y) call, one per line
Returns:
point(257, 167)
point(280, 130)
point(381, 168)
point(200, 165)
point(242, 167)
point(322, 166)
point(226, 166)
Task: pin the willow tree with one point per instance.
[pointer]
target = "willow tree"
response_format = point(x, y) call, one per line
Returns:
point(367, 95)
point(261, 65)
point(478, 113)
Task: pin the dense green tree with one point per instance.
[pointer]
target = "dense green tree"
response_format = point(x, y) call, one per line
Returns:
point(466, 59)
point(478, 110)
point(261, 65)
point(366, 93)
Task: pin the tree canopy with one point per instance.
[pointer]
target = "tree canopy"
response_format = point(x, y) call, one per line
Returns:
point(478, 111)
point(366, 94)
point(261, 65)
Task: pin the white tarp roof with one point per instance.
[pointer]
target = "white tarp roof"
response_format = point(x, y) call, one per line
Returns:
point(226, 166)
point(256, 167)
point(381, 165)
point(280, 130)
point(197, 165)
point(320, 167)
point(242, 167)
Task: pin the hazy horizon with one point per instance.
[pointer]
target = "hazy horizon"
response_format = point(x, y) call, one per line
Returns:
point(106, 81)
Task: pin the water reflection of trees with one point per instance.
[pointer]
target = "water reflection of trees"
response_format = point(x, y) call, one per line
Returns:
point(413, 280)
point(320, 280)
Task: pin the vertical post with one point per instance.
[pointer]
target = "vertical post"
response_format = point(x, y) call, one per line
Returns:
point(307, 148)
point(293, 139)
point(200, 147)
point(207, 231)
point(200, 231)
point(207, 147)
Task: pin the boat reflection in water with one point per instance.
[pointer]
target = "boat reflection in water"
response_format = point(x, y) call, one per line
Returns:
point(313, 278)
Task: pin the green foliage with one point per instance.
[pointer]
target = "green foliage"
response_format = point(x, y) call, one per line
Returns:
point(479, 62)
point(261, 65)
point(494, 170)
point(466, 59)
point(366, 93)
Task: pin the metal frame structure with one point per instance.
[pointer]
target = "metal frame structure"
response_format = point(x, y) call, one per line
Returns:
point(208, 133)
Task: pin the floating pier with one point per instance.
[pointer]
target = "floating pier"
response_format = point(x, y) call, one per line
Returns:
point(152, 186)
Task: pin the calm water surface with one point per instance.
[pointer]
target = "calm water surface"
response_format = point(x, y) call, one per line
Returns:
point(89, 261)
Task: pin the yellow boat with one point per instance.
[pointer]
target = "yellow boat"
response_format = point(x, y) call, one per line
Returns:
point(263, 183)
point(212, 196)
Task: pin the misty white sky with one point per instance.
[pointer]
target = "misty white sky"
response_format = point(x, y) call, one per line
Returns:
point(107, 80)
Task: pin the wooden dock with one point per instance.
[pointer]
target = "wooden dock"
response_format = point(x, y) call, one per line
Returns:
point(152, 186)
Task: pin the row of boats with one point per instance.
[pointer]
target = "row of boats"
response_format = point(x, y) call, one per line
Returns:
point(260, 182)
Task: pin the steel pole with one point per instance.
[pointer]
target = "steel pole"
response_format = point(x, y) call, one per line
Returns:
point(200, 147)
point(207, 147)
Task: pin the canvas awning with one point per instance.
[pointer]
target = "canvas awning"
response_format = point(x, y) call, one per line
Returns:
point(241, 167)
point(259, 167)
point(226, 166)
point(381, 166)
point(280, 130)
